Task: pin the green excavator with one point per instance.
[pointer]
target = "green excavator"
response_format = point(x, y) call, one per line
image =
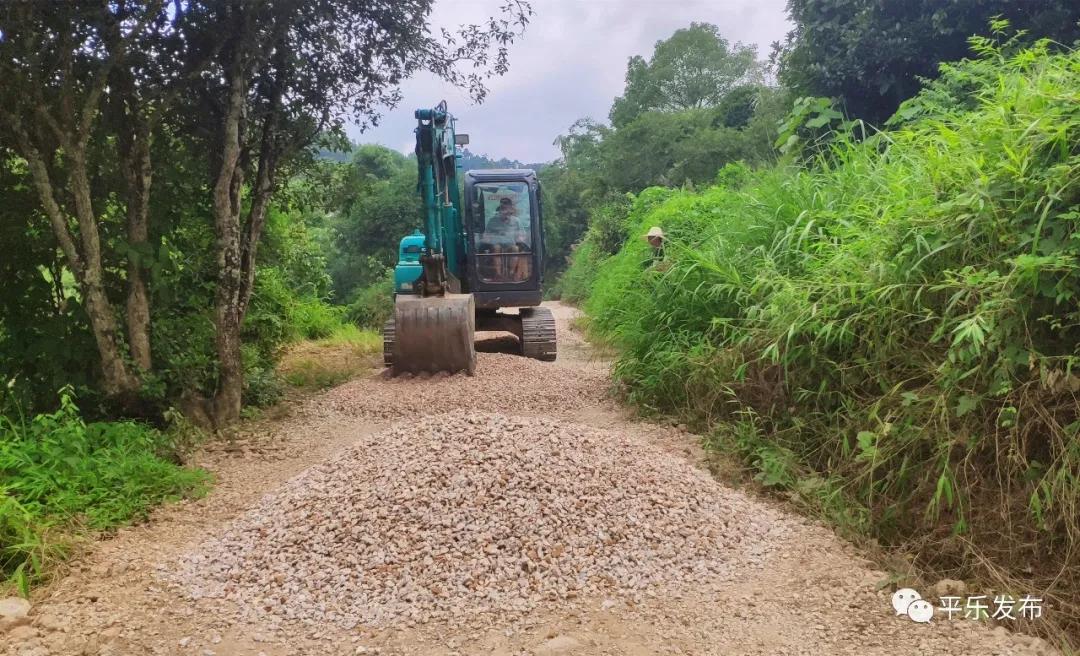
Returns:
point(476, 266)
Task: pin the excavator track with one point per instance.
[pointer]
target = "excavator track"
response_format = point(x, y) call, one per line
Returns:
point(538, 334)
point(388, 343)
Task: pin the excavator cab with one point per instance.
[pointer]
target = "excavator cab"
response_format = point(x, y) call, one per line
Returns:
point(506, 247)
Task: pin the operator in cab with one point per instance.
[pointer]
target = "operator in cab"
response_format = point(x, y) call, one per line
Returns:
point(505, 232)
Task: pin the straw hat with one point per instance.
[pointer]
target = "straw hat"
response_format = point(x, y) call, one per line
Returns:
point(654, 231)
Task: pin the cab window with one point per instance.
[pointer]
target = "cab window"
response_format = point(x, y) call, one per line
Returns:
point(503, 231)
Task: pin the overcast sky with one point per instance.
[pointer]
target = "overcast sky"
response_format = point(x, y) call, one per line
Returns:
point(569, 64)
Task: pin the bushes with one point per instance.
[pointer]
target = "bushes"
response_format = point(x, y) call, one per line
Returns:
point(574, 284)
point(606, 234)
point(371, 306)
point(894, 327)
point(61, 474)
point(278, 317)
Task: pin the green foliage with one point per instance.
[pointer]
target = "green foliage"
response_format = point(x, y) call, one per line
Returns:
point(699, 104)
point(44, 339)
point(607, 232)
point(694, 68)
point(278, 316)
point(873, 54)
point(379, 206)
point(585, 191)
point(576, 282)
point(565, 216)
point(900, 316)
point(263, 386)
point(810, 127)
point(371, 306)
point(675, 148)
point(60, 473)
point(326, 362)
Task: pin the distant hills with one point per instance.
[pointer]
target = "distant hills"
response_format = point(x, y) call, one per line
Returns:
point(470, 160)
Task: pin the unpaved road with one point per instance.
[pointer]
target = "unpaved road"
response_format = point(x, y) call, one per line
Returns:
point(516, 512)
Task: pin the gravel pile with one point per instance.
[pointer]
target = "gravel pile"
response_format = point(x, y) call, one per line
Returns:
point(503, 383)
point(466, 513)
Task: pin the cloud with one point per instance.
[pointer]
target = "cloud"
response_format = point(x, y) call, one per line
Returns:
point(570, 64)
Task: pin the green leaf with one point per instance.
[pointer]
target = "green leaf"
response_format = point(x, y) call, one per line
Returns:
point(966, 404)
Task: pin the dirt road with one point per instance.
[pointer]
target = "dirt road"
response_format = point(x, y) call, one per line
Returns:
point(516, 512)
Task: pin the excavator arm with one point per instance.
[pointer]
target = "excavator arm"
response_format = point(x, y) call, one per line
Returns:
point(433, 325)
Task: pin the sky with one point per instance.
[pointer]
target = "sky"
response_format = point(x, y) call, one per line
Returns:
point(569, 64)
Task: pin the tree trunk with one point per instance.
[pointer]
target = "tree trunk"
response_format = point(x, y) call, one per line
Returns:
point(118, 381)
point(260, 203)
point(227, 303)
point(237, 242)
point(137, 174)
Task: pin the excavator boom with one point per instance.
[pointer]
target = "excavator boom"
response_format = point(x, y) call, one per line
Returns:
point(432, 329)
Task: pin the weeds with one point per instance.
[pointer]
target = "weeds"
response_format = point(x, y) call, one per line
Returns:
point(345, 353)
point(62, 476)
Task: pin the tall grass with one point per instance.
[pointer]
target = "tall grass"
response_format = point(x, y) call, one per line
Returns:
point(348, 352)
point(893, 329)
point(61, 476)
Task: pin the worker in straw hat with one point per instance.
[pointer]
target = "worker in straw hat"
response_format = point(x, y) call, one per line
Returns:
point(655, 237)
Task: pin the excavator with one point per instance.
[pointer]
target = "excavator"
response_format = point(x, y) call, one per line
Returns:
point(476, 266)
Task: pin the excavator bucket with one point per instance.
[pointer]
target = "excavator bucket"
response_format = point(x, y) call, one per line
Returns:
point(432, 334)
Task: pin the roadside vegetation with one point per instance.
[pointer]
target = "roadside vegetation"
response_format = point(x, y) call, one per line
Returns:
point(61, 476)
point(313, 365)
point(885, 323)
point(179, 233)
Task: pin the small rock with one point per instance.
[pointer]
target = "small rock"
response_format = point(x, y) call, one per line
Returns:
point(103, 570)
point(14, 607)
point(560, 644)
point(50, 622)
point(21, 633)
point(950, 588)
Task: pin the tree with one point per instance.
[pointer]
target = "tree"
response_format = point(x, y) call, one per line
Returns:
point(873, 53)
point(380, 207)
point(246, 84)
point(693, 68)
point(287, 72)
point(64, 66)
